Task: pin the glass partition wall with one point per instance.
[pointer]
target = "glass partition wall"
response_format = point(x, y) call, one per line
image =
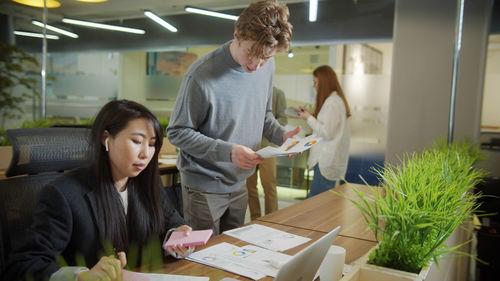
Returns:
point(80, 82)
point(490, 118)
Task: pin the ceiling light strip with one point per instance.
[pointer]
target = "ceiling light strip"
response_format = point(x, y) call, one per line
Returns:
point(104, 26)
point(210, 13)
point(313, 10)
point(160, 21)
point(37, 35)
point(55, 29)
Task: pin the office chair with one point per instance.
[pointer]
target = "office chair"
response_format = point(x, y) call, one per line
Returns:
point(36, 150)
point(19, 197)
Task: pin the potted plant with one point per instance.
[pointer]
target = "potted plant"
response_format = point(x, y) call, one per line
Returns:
point(13, 69)
point(420, 204)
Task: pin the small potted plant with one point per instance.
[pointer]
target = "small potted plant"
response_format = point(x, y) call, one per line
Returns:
point(419, 205)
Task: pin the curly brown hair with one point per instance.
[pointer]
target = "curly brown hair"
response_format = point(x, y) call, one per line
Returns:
point(265, 22)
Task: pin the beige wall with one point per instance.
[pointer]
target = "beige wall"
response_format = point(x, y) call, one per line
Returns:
point(422, 71)
point(491, 101)
point(133, 83)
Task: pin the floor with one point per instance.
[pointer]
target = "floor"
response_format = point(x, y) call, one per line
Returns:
point(286, 197)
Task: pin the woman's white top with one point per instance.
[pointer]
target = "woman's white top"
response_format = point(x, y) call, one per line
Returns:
point(124, 196)
point(332, 152)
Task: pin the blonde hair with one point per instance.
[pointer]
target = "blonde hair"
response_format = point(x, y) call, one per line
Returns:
point(327, 84)
point(265, 22)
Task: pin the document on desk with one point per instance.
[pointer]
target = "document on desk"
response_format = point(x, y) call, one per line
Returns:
point(168, 159)
point(290, 146)
point(139, 276)
point(267, 237)
point(249, 261)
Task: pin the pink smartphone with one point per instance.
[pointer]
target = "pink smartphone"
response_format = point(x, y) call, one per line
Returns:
point(195, 238)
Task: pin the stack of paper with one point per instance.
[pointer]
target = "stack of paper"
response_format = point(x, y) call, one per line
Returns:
point(267, 237)
point(249, 261)
point(290, 146)
point(137, 276)
point(168, 159)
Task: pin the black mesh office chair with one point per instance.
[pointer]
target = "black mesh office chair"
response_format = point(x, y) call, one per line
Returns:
point(36, 150)
point(18, 200)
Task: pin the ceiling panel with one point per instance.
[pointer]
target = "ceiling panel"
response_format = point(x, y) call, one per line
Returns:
point(341, 21)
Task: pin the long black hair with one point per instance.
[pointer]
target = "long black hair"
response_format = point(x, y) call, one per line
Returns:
point(144, 214)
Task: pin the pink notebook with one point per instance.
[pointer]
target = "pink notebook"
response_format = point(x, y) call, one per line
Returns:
point(195, 238)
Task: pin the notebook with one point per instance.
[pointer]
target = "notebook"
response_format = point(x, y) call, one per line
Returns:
point(304, 265)
point(195, 238)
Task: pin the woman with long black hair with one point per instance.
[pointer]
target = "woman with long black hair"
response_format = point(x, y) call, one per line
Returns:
point(90, 217)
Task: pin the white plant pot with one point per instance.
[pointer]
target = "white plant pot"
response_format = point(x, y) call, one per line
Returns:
point(369, 272)
point(362, 271)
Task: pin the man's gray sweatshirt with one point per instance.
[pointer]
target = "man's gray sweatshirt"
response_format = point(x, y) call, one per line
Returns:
point(220, 105)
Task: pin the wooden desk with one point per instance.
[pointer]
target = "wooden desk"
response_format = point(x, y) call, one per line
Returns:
point(167, 163)
point(324, 212)
point(167, 166)
point(355, 248)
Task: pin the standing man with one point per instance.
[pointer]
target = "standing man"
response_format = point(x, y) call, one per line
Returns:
point(267, 169)
point(221, 113)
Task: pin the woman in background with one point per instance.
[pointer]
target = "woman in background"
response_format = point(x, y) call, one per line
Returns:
point(90, 217)
point(329, 157)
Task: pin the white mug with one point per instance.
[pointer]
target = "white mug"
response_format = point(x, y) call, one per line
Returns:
point(333, 264)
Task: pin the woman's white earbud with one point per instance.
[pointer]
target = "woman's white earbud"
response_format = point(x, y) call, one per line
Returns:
point(106, 144)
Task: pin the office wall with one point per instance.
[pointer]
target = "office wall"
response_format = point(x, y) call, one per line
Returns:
point(422, 71)
point(133, 84)
point(491, 101)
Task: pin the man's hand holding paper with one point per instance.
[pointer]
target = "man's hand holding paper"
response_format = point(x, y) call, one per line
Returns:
point(290, 146)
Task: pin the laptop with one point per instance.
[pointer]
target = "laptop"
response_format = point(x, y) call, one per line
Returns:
point(304, 265)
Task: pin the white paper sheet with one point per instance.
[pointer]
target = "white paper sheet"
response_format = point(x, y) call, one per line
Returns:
point(168, 161)
point(249, 261)
point(267, 237)
point(134, 276)
point(290, 146)
point(292, 111)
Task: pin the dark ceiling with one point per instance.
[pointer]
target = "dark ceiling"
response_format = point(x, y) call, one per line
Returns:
point(339, 21)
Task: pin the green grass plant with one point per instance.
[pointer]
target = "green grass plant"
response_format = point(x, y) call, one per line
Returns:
point(419, 205)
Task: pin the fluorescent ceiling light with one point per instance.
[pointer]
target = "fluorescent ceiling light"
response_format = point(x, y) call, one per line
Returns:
point(37, 35)
point(104, 26)
point(210, 13)
point(313, 10)
point(53, 28)
point(39, 3)
point(160, 21)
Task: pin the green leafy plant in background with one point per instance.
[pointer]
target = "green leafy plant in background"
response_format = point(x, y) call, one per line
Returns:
point(420, 204)
point(164, 124)
point(4, 140)
point(43, 123)
point(49, 122)
point(12, 74)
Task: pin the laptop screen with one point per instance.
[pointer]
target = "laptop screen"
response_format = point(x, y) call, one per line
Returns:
point(304, 265)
